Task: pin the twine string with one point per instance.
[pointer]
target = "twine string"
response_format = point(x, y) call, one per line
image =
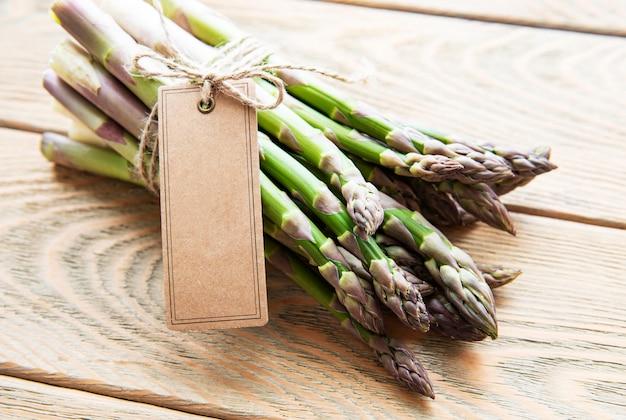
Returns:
point(237, 60)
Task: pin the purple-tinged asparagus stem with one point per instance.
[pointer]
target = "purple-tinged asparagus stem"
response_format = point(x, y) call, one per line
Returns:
point(320, 249)
point(453, 270)
point(525, 165)
point(117, 138)
point(85, 157)
point(92, 81)
point(498, 275)
point(481, 202)
point(361, 197)
point(395, 357)
point(109, 44)
point(213, 29)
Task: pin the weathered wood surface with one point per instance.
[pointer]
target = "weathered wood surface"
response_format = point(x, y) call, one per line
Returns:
point(21, 399)
point(599, 17)
point(80, 259)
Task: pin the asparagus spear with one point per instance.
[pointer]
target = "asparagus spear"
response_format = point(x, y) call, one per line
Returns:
point(107, 129)
point(283, 212)
point(495, 275)
point(214, 29)
point(524, 165)
point(390, 283)
point(453, 270)
point(393, 354)
point(396, 358)
point(92, 81)
point(362, 200)
point(439, 207)
point(428, 167)
point(447, 320)
point(355, 264)
point(498, 275)
point(109, 44)
point(482, 202)
point(85, 157)
point(363, 276)
point(445, 202)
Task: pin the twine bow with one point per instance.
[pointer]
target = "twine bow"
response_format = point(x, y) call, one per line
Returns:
point(240, 59)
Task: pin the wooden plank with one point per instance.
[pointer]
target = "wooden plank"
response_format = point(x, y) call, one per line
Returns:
point(20, 399)
point(82, 308)
point(80, 269)
point(27, 37)
point(514, 86)
point(596, 17)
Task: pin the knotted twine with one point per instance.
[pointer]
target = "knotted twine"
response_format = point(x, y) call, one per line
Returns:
point(239, 59)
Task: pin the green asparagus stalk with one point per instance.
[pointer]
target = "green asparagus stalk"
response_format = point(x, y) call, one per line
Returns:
point(321, 250)
point(86, 157)
point(481, 202)
point(119, 139)
point(431, 168)
point(453, 270)
point(109, 44)
point(396, 358)
point(214, 29)
point(356, 265)
point(78, 69)
point(524, 165)
point(440, 208)
point(497, 275)
point(447, 321)
point(138, 19)
point(444, 202)
point(390, 283)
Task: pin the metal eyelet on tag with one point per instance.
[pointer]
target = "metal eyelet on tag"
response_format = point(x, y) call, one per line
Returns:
point(207, 107)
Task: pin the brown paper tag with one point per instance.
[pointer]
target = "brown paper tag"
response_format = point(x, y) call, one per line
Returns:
point(211, 211)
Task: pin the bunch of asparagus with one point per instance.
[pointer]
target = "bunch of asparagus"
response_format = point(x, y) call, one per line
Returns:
point(351, 198)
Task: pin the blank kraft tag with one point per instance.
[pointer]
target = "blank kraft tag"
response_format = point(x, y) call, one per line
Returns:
point(211, 211)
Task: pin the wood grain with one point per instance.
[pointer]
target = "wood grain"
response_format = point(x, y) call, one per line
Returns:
point(596, 17)
point(515, 86)
point(82, 308)
point(27, 37)
point(81, 305)
point(20, 399)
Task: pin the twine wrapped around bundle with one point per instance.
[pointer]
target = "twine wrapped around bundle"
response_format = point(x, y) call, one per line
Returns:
point(240, 59)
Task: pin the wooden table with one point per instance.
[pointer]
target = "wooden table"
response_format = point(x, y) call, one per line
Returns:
point(81, 306)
